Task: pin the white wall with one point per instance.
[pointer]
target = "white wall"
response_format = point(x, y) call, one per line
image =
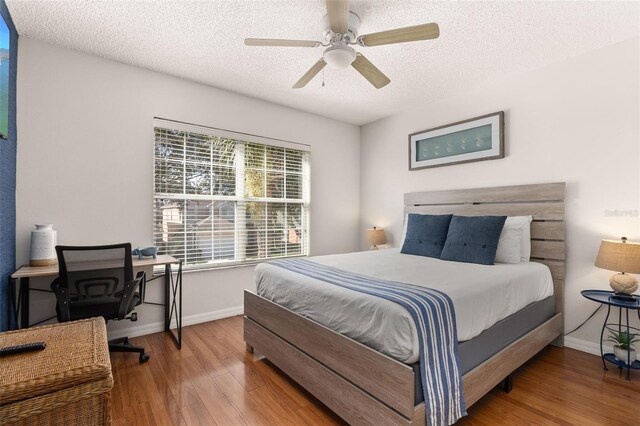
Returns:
point(85, 146)
point(85, 164)
point(577, 121)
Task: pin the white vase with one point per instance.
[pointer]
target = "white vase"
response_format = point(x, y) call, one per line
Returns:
point(623, 355)
point(43, 246)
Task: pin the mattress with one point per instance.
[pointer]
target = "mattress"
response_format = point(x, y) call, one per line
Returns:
point(475, 351)
point(482, 295)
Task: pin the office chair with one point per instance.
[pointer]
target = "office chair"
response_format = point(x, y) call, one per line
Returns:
point(98, 281)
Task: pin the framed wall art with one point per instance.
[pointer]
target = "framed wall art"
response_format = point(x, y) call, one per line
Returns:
point(476, 139)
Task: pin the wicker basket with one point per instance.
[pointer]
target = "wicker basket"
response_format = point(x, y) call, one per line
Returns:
point(68, 383)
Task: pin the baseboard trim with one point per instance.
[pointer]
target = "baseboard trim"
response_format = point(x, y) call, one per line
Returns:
point(586, 346)
point(141, 330)
point(135, 331)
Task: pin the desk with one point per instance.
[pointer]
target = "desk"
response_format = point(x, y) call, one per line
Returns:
point(20, 288)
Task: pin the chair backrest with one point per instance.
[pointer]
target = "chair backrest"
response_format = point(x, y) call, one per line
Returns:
point(90, 272)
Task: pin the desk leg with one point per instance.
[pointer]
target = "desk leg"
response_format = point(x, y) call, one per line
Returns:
point(13, 294)
point(167, 297)
point(173, 303)
point(24, 302)
point(179, 313)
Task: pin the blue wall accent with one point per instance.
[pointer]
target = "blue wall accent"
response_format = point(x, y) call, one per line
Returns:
point(8, 185)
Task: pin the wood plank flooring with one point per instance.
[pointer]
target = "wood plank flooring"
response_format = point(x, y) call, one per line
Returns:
point(214, 381)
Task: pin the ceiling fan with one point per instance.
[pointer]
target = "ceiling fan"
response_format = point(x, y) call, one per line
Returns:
point(341, 32)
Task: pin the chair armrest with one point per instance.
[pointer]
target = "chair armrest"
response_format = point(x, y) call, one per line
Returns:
point(62, 300)
point(128, 292)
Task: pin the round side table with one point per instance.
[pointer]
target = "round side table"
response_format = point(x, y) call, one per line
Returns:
point(608, 298)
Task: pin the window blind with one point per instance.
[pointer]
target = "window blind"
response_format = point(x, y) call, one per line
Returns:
point(222, 198)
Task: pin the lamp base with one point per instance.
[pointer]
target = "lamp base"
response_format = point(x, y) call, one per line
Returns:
point(623, 283)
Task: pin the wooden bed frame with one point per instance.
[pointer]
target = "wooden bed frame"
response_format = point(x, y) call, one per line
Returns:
point(364, 386)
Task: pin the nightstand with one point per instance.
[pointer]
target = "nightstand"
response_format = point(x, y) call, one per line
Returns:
point(605, 297)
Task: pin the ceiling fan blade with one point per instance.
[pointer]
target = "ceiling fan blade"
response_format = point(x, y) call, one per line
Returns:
point(370, 72)
point(338, 11)
point(280, 42)
point(402, 35)
point(308, 76)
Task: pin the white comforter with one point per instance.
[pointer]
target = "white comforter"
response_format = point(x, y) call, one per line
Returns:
point(482, 295)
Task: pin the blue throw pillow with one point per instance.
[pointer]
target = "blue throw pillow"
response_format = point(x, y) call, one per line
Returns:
point(473, 239)
point(426, 234)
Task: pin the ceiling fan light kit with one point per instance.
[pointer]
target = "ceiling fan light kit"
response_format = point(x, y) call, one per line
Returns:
point(340, 32)
point(339, 57)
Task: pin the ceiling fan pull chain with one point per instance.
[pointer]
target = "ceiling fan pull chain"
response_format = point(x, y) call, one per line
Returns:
point(322, 77)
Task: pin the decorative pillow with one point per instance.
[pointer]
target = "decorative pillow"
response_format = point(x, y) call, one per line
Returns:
point(426, 234)
point(511, 239)
point(473, 239)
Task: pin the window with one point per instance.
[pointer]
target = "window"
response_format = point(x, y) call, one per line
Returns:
point(223, 198)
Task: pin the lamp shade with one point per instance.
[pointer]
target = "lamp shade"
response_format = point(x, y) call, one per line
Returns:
point(375, 237)
point(619, 256)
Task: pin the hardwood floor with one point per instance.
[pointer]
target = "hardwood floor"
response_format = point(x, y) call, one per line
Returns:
point(213, 380)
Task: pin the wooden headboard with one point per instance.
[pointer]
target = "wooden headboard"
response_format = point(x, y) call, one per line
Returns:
point(545, 202)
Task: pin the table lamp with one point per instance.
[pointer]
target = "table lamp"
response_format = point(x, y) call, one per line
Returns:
point(624, 257)
point(375, 237)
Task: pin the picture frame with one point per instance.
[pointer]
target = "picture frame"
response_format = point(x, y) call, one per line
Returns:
point(476, 139)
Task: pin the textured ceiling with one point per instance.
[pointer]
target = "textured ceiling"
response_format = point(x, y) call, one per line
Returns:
point(480, 42)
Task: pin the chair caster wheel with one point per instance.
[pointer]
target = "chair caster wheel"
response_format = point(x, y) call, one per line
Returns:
point(144, 358)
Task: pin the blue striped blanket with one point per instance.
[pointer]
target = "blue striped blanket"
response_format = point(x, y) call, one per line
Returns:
point(433, 313)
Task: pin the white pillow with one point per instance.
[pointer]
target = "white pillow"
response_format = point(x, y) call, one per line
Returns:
point(525, 246)
point(404, 229)
point(509, 243)
point(514, 243)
